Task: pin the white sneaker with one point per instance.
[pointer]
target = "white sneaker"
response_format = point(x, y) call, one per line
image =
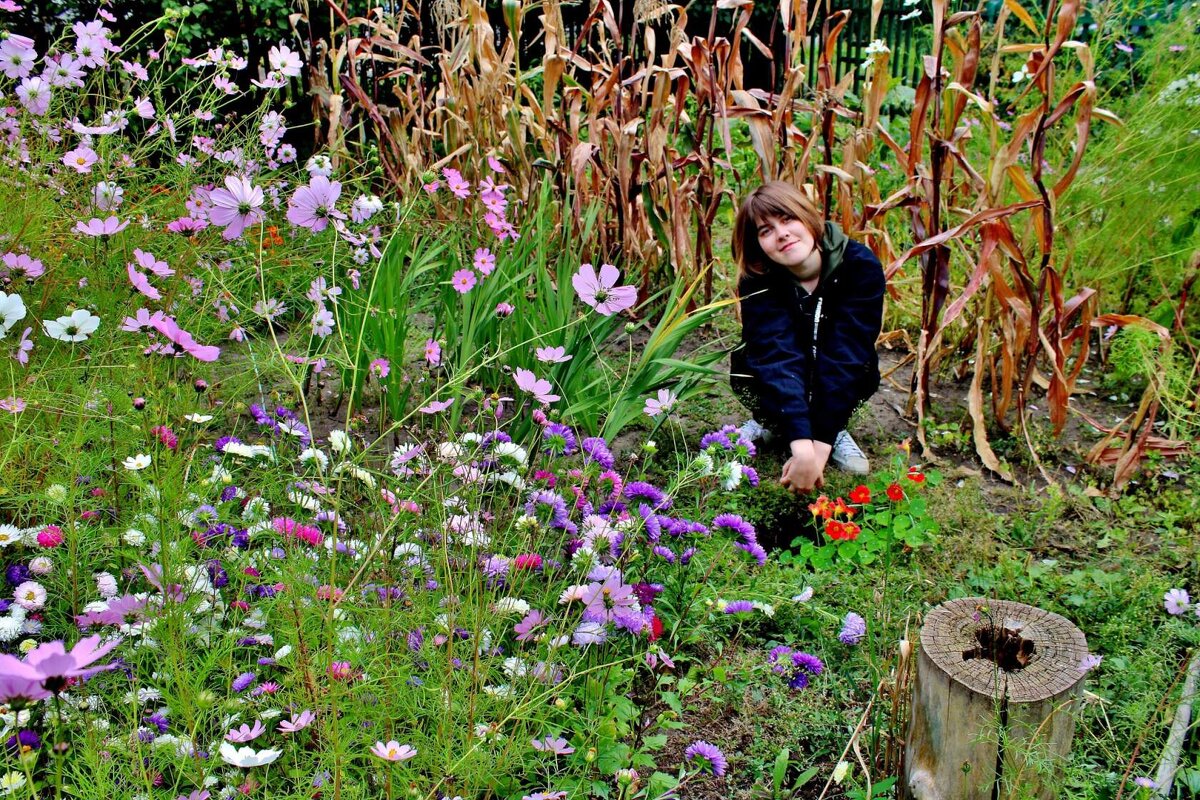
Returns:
point(848, 456)
point(753, 431)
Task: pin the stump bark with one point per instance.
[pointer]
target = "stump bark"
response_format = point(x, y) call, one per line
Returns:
point(993, 702)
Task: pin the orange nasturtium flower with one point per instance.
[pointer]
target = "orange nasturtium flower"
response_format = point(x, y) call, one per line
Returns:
point(915, 475)
point(860, 494)
point(822, 508)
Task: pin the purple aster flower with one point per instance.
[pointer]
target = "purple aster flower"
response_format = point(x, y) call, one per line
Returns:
point(596, 449)
point(854, 628)
point(739, 607)
point(548, 500)
point(242, 682)
point(23, 739)
point(751, 475)
point(754, 549)
point(646, 491)
point(559, 439)
point(220, 444)
point(711, 758)
point(646, 592)
point(686, 556)
point(627, 618)
point(589, 633)
point(736, 524)
point(312, 206)
point(664, 553)
point(719, 438)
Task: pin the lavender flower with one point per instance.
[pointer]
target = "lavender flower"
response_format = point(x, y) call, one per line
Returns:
point(854, 628)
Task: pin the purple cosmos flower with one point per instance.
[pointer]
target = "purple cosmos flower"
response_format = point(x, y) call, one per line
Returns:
point(711, 758)
point(527, 628)
point(553, 744)
point(237, 206)
point(600, 598)
point(589, 633)
point(312, 206)
point(854, 628)
point(601, 292)
point(101, 227)
point(1176, 601)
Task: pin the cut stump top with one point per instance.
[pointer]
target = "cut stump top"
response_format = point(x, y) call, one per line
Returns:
point(1059, 647)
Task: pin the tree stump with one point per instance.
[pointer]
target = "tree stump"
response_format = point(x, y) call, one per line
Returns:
point(993, 703)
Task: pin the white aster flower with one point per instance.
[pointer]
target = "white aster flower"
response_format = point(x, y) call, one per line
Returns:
point(10, 534)
point(511, 605)
point(315, 455)
point(339, 441)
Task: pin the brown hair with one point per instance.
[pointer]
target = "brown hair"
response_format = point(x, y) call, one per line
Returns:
point(772, 199)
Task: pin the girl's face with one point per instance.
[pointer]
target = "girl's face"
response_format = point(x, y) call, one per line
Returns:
point(788, 242)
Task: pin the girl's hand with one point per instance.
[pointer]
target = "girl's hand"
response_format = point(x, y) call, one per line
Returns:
point(805, 470)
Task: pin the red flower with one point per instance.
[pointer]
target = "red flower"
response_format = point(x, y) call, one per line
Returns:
point(860, 495)
point(852, 531)
point(527, 561)
point(915, 475)
point(656, 628)
point(895, 493)
point(835, 530)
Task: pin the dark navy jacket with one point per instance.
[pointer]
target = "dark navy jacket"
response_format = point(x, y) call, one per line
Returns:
point(807, 360)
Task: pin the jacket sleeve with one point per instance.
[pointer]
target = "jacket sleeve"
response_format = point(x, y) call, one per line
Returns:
point(846, 353)
point(773, 358)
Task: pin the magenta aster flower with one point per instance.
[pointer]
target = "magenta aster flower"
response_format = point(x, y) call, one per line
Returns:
point(601, 292)
point(312, 206)
point(463, 281)
point(237, 206)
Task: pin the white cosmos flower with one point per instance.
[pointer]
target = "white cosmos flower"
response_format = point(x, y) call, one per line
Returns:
point(199, 419)
point(12, 311)
point(134, 463)
point(249, 450)
point(246, 757)
point(76, 327)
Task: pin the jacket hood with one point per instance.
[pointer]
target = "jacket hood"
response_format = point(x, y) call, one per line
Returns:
point(833, 248)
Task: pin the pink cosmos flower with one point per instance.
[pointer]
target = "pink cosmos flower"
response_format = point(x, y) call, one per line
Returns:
point(312, 206)
point(538, 387)
point(49, 666)
point(380, 368)
point(101, 227)
point(393, 751)
point(22, 263)
point(495, 165)
point(297, 723)
point(237, 206)
point(463, 281)
point(81, 159)
point(552, 355)
point(437, 406)
point(141, 282)
point(182, 339)
point(602, 293)
point(663, 404)
point(433, 352)
point(34, 94)
point(285, 61)
point(553, 744)
point(21, 354)
point(485, 261)
point(455, 182)
point(246, 733)
point(147, 261)
point(13, 405)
